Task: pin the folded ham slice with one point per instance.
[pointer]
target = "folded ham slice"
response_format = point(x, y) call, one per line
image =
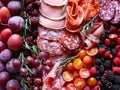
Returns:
point(52, 24)
point(51, 12)
point(56, 2)
point(52, 81)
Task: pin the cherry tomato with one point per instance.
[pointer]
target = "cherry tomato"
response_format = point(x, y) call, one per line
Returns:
point(4, 15)
point(5, 34)
point(77, 63)
point(88, 66)
point(67, 76)
point(75, 73)
point(87, 59)
point(14, 42)
point(84, 73)
point(70, 86)
point(82, 53)
point(70, 67)
point(92, 81)
point(92, 52)
point(79, 83)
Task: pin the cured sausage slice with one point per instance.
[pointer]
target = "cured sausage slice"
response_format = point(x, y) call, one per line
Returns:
point(52, 24)
point(51, 47)
point(56, 2)
point(70, 41)
point(51, 12)
point(116, 18)
point(107, 11)
point(49, 34)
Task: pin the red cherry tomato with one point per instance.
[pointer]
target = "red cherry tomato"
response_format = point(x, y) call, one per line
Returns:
point(15, 42)
point(84, 73)
point(79, 83)
point(5, 34)
point(67, 76)
point(70, 86)
point(4, 15)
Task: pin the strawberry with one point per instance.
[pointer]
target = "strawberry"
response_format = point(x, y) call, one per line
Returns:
point(93, 70)
point(117, 47)
point(116, 70)
point(107, 42)
point(116, 61)
point(101, 50)
point(113, 36)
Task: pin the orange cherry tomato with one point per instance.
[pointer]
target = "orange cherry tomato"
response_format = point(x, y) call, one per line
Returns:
point(92, 81)
point(75, 73)
point(87, 59)
point(82, 53)
point(67, 76)
point(92, 52)
point(77, 63)
point(70, 86)
point(84, 73)
point(79, 83)
point(69, 67)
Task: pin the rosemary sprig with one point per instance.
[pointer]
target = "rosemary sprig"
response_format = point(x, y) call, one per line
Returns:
point(65, 62)
point(64, 8)
point(86, 27)
point(23, 83)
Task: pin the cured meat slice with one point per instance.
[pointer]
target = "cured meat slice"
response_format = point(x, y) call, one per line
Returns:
point(56, 2)
point(107, 11)
point(70, 41)
point(103, 2)
point(52, 24)
point(116, 18)
point(49, 34)
point(51, 47)
point(51, 12)
point(52, 81)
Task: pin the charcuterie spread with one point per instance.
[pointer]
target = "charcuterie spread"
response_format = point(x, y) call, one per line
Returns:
point(59, 45)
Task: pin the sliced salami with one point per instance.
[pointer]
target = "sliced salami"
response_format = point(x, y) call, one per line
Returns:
point(49, 34)
point(107, 11)
point(70, 41)
point(116, 18)
point(103, 2)
point(51, 47)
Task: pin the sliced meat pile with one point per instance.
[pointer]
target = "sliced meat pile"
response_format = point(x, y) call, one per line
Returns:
point(110, 11)
point(79, 12)
point(51, 14)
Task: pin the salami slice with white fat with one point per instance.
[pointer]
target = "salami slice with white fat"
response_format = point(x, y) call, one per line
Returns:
point(49, 34)
point(70, 41)
point(116, 18)
point(107, 11)
point(51, 47)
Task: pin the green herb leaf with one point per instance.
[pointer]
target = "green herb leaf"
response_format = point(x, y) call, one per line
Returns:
point(64, 8)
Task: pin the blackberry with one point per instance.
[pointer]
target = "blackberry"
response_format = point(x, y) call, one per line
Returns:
point(116, 79)
point(101, 69)
point(113, 44)
point(110, 76)
point(116, 87)
point(98, 62)
point(102, 38)
point(107, 31)
point(98, 77)
point(104, 80)
point(108, 64)
point(109, 85)
point(114, 51)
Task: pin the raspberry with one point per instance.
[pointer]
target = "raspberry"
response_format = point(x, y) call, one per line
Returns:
point(113, 36)
point(101, 50)
point(107, 42)
point(86, 88)
point(116, 61)
point(113, 28)
point(118, 41)
point(116, 70)
point(117, 48)
point(108, 55)
point(93, 70)
point(118, 54)
point(97, 87)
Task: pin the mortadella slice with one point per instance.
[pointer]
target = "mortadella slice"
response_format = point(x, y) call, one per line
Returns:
point(51, 12)
point(52, 24)
point(56, 2)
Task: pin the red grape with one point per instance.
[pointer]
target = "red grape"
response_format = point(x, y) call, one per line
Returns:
point(12, 85)
point(38, 81)
point(4, 77)
point(1, 4)
point(2, 67)
point(30, 61)
point(16, 23)
point(14, 7)
point(15, 42)
point(2, 46)
point(5, 55)
point(5, 1)
point(11, 68)
point(5, 34)
point(4, 15)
